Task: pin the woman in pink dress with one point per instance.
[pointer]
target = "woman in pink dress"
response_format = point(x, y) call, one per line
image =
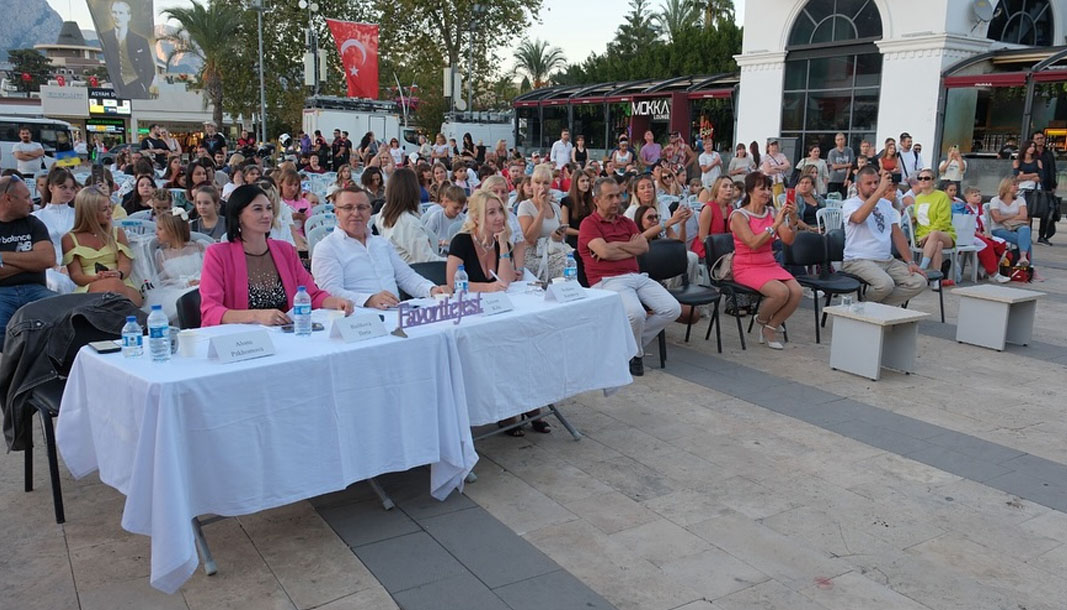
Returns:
point(755, 226)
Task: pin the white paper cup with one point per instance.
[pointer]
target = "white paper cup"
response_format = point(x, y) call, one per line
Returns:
point(187, 343)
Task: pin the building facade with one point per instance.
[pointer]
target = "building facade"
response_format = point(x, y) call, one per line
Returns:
point(875, 68)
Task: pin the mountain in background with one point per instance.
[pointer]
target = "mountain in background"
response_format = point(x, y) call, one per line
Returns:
point(26, 23)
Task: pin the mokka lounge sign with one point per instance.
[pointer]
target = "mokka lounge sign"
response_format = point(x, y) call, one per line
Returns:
point(660, 109)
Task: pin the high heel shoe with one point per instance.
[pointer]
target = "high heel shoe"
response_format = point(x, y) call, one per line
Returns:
point(771, 343)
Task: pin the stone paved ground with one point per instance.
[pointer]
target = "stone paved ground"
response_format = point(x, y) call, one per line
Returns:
point(747, 480)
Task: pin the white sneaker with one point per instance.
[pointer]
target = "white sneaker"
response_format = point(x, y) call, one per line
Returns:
point(999, 278)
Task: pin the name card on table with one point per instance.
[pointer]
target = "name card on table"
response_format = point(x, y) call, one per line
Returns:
point(240, 346)
point(495, 302)
point(357, 327)
point(564, 292)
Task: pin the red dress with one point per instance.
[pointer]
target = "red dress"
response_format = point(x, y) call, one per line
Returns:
point(754, 268)
point(718, 225)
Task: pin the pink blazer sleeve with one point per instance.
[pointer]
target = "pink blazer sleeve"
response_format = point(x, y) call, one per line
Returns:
point(213, 286)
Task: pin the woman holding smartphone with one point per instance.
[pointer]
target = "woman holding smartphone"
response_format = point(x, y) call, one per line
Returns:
point(543, 228)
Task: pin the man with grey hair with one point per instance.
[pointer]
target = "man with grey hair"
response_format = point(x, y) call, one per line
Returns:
point(25, 251)
point(609, 244)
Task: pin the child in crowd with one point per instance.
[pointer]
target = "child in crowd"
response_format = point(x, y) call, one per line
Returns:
point(991, 248)
point(208, 221)
point(850, 181)
point(439, 219)
point(161, 203)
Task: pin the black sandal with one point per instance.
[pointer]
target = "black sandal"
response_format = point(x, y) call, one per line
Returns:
point(540, 425)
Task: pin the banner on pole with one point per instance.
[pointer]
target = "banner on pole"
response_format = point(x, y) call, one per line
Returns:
point(357, 44)
point(127, 35)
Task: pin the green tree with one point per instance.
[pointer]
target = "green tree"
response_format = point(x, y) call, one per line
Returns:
point(636, 32)
point(29, 61)
point(675, 16)
point(209, 33)
point(535, 60)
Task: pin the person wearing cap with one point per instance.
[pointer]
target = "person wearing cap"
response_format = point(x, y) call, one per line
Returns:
point(213, 140)
point(535, 160)
point(622, 156)
point(777, 166)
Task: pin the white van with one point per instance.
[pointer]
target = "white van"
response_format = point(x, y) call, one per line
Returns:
point(48, 132)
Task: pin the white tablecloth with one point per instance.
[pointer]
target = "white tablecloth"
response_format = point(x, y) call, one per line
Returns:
point(540, 353)
point(192, 437)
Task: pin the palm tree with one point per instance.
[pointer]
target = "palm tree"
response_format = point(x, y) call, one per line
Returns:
point(209, 32)
point(675, 16)
point(716, 12)
point(536, 60)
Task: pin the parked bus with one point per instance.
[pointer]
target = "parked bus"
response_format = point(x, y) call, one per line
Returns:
point(49, 133)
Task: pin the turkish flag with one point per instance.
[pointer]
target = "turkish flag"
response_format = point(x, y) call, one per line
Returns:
point(357, 44)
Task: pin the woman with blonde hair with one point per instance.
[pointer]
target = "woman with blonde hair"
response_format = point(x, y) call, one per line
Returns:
point(543, 228)
point(1011, 222)
point(97, 254)
point(482, 246)
point(498, 185)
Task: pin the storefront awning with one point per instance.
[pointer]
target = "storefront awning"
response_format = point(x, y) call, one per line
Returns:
point(1001, 79)
point(1051, 76)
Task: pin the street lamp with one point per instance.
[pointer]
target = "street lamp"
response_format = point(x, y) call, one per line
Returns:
point(312, 39)
point(476, 11)
point(257, 5)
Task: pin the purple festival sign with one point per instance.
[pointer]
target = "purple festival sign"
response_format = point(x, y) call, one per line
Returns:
point(447, 309)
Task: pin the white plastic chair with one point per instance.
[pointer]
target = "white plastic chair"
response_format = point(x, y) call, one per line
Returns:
point(834, 204)
point(327, 219)
point(829, 219)
point(141, 215)
point(966, 225)
point(909, 229)
point(322, 208)
point(202, 238)
point(137, 226)
point(315, 236)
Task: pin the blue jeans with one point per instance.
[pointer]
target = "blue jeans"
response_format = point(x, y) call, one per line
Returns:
point(13, 297)
point(1020, 237)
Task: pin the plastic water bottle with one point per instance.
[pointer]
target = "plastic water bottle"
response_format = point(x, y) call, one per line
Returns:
point(158, 334)
point(570, 268)
point(132, 338)
point(460, 283)
point(302, 312)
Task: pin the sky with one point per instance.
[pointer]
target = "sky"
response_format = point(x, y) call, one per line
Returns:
point(577, 28)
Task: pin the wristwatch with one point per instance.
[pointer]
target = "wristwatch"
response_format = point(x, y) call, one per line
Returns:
point(770, 231)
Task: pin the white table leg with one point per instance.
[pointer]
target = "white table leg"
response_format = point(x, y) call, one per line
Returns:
point(899, 347)
point(856, 348)
point(981, 322)
point(1021, 323)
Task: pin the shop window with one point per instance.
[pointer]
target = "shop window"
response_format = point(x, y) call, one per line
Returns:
point(833, 73)
point(1025, 22)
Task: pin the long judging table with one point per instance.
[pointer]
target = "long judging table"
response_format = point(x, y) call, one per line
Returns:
point(192, 437)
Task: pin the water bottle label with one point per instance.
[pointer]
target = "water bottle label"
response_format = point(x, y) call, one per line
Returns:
point(131, 341)
point(302, 310)
point(157, 332)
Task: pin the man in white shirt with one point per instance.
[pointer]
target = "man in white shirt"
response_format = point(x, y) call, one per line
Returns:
point(710, 166)
point(910, 160)
point(872, 227)
point(352, 263)
point(561, 150)
point(27, 153)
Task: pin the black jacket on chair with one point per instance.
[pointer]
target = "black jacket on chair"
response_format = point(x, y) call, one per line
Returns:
point(43, 338)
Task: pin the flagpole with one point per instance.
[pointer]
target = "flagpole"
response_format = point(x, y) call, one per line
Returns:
point(259, 8)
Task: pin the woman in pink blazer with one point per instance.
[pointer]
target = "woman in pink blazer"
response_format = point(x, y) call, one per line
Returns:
point(252, 279)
